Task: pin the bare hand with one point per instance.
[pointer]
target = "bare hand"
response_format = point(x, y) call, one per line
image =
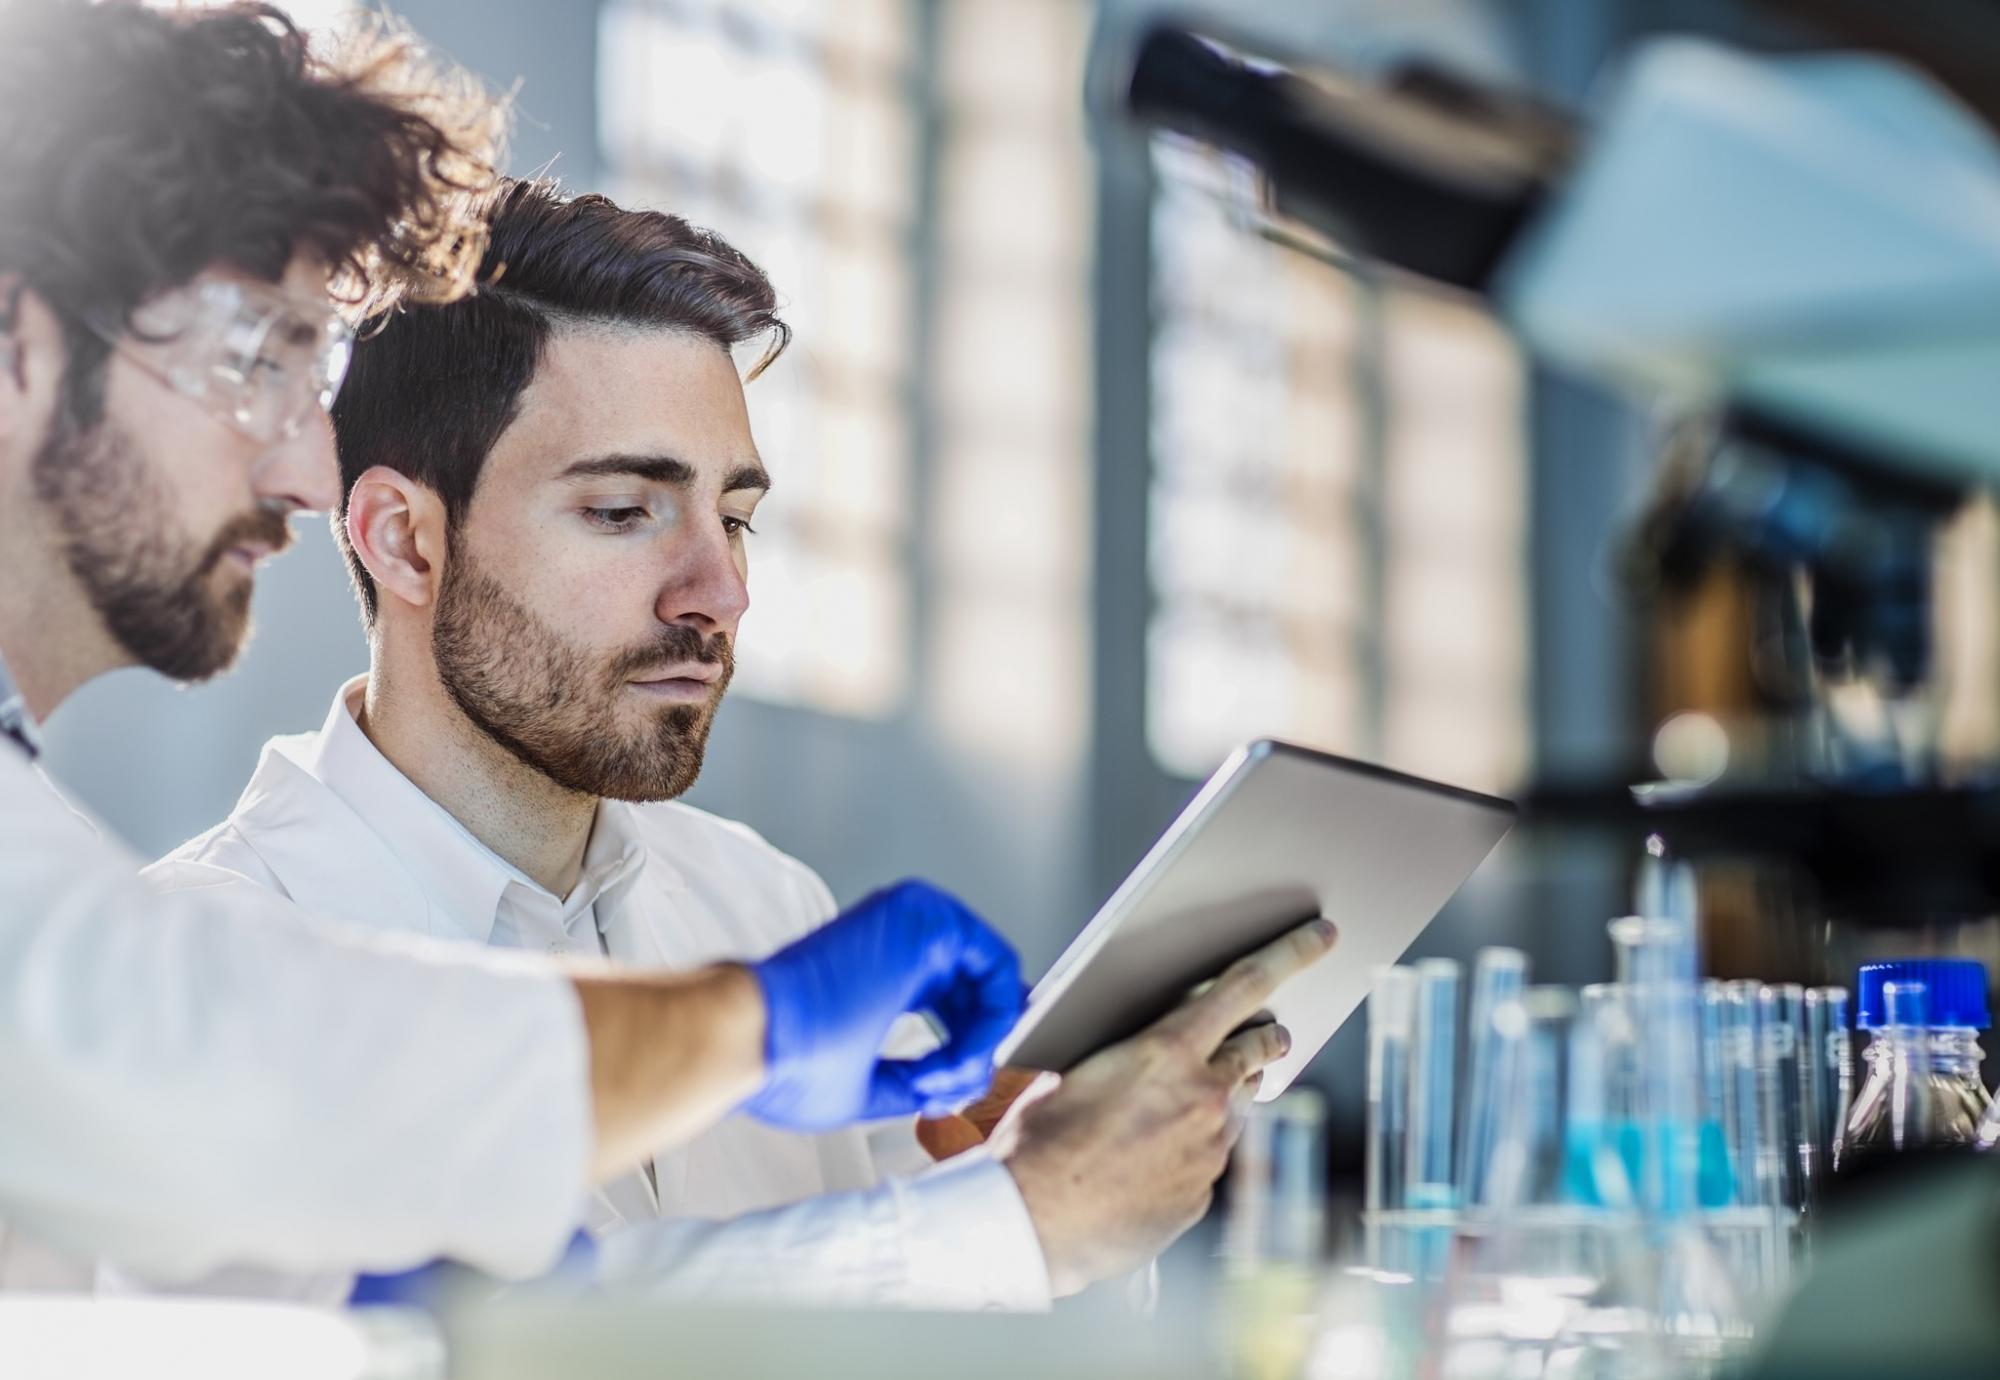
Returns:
point(1121, 1156)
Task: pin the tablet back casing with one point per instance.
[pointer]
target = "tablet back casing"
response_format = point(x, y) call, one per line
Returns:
point(1279, 835)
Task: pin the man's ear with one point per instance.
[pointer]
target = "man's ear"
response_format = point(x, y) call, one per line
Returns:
point(32, 360)
point(397, 528)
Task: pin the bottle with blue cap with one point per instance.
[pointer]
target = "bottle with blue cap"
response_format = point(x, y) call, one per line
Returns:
point(1922, 1087)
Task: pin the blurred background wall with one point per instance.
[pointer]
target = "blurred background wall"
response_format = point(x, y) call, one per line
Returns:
point(1079, 481)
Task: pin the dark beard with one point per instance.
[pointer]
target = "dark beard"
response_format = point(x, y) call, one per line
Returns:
point(147, 582)
point(552, 708)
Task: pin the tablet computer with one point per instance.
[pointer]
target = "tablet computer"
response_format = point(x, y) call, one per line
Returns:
point(1280, 834)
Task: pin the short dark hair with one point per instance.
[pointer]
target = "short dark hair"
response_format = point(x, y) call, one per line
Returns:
point(431, 391)
point(141, 146)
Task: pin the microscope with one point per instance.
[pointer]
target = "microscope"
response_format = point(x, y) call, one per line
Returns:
point(1793, 260)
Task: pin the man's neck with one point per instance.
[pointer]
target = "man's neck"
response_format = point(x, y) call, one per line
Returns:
point(51, 639)
point(516, 811)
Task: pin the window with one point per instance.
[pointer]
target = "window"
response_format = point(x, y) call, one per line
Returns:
point(1336, 510)
point(900, 199)
point(790, 127)
point(1009, 657)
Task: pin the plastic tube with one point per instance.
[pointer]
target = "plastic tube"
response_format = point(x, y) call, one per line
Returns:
point(1656, 955)
point(1603, 1126)
point(1533, 1039)
point(1906, 1013)
point(1277, 1185)
point(1498, 979)
point(1780, 1012)
point(1752, 1149)
point(1823, 1050)
point(1717, 1186)
point(1392, 1006)
point(1433, 1086)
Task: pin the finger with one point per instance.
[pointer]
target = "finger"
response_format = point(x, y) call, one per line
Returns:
point(986, 989)
point(899, 1087)
point(945, 1073)
point(977, 1012)
point(1247, 984)
point(1244, 1054)
point(968, 1050)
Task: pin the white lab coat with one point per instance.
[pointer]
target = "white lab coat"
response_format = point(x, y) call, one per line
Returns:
point(211, 1077)
point(334, 826)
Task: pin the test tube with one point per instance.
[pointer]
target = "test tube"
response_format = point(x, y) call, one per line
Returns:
point(1906, 1014)
point(1532, 1043)
point(1666, 890)
point(1823, 1054)
point(1498, 977)
point(1717, 1177)
point(1392, 1004)
point(1277, 1185)
point(1656, 955)
point(1604, 1100)
point(1780, 1012)
point(1433, 1086)
point(1753, 1148)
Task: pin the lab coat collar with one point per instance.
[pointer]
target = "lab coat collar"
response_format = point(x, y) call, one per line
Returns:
point(632, 912)
point(324, 855)
point(405, 863)
point(462, 878)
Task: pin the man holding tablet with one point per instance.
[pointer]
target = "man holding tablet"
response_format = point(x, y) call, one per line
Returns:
point(549, 493)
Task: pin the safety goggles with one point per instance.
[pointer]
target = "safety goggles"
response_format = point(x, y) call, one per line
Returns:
point(260, 360)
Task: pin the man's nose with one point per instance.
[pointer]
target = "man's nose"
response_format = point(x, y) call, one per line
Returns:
point(302, 471)
point(707, 588)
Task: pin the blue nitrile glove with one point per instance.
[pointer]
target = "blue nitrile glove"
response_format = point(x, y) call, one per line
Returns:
point(831, 998)
point(431, 1287)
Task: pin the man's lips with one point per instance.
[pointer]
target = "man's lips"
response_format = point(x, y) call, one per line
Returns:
point(705, 672)
point(246, 556)
point(693, 684)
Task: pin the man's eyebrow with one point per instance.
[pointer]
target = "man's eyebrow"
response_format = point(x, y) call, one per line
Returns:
point(747, 477)
point(658, 469)
point(663, 469)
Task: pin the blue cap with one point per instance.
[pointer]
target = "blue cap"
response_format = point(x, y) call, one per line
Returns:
point(1956, 988)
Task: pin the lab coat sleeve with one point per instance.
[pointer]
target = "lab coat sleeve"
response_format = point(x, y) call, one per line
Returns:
point(958, 1237)
point(186, 1084)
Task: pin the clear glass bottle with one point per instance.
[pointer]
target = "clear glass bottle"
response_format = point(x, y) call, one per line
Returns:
point(1921, 1085)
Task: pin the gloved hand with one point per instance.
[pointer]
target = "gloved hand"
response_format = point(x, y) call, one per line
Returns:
point(831, 998)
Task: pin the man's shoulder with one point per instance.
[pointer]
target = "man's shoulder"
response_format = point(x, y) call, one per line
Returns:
point(228, 852)
point(220, 856)
point(687, 830)
point(703, 844)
